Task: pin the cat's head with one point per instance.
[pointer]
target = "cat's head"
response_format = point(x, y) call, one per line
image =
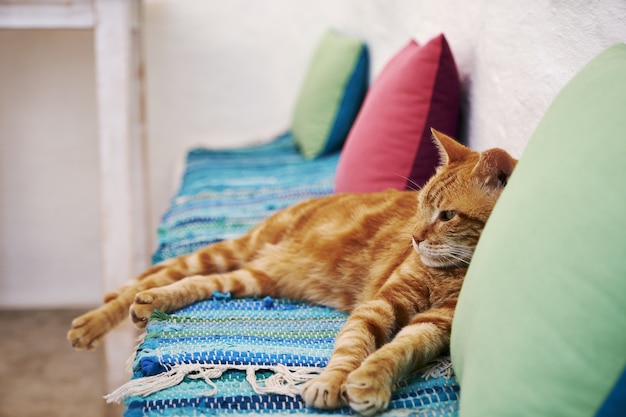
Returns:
point(453, 206)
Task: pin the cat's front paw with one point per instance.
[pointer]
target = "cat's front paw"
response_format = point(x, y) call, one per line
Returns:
point(326, 391)
point(88, 330)
point(142, 308)
point(368, 391)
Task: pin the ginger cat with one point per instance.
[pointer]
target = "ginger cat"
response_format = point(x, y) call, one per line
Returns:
point(395, 260)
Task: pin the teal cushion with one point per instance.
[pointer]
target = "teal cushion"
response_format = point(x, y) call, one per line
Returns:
point(331, 95)
point(540, 327)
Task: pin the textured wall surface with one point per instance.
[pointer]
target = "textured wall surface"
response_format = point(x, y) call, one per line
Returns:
point(523, 55)
point(49, 196)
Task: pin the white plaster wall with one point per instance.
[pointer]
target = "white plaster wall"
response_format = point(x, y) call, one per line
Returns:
point(49, 197)
point(525, 52)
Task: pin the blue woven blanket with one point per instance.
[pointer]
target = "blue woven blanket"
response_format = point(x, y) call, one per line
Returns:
point(226, 192)
point(247, 356)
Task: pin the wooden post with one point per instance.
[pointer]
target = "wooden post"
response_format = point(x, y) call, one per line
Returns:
point(122, 162)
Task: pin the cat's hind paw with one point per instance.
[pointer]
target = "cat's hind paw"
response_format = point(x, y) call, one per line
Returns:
point(367, 393)
point(140, 311)
point(87, 331)
point(326, 391)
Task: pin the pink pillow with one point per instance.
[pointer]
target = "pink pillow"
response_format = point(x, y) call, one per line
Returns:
point(390, 145)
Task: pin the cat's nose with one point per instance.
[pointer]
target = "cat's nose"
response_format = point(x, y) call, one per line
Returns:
point(418, 238)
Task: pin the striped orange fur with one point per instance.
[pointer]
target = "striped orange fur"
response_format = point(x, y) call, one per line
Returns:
point(395, 260)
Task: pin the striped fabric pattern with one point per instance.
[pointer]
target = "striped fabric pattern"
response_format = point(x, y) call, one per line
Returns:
point(246, 356)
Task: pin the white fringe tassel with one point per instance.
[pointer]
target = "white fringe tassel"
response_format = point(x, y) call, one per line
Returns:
point(440, 367)
point(284, 381)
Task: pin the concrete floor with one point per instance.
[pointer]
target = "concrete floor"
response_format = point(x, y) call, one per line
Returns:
point(40, 373)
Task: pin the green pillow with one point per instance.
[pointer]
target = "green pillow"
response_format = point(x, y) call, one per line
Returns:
point(540, 327)
point(331, 95)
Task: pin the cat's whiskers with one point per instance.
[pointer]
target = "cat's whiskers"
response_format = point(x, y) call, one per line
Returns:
point(462, 249)
point(456, 258)
point(414, 186)
point(461, 253)
point(449, 253)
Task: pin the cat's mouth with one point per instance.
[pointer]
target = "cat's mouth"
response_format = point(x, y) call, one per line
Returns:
point(442, 256)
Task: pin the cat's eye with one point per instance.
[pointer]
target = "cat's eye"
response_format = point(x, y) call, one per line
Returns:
point(447, 215)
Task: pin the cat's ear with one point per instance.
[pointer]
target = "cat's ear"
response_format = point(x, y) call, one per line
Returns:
point(495, 167)
point(449, 149)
